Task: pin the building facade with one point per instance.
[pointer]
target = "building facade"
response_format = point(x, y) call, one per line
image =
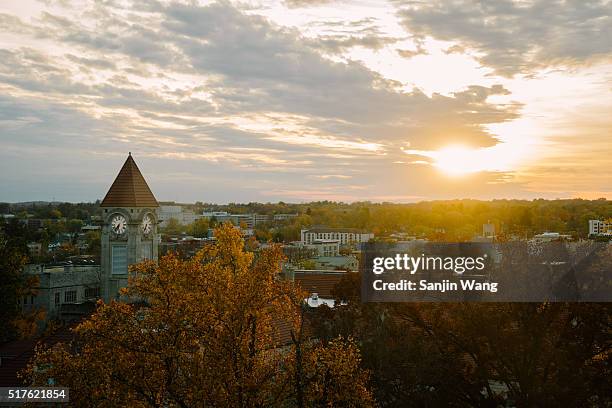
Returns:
point(129, 228)
point(325, 247)
point(345, 236)
point(62, 290)
point(597, 227)
point(246, 220)
point(182, 215)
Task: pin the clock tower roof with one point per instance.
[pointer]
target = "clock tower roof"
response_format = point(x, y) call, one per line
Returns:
point(129, 188)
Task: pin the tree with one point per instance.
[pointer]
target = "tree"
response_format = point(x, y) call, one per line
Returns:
point(93, 239)
point(462, 354)
point(74, 225)
point(55, 214)
point(545, 354)
point(173, 227)
point(198, 228)
point(200, 332)
point(14, 286)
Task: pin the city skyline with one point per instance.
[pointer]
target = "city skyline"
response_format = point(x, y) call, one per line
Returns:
point(306, 100)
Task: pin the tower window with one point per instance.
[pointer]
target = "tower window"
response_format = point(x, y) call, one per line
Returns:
point(147, 250)
point(119, 260)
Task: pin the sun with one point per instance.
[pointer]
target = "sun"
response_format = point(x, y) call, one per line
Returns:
point(459, 160)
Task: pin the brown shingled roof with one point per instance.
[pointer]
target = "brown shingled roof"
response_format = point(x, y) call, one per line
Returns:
point(320, 282)
point(129, 189)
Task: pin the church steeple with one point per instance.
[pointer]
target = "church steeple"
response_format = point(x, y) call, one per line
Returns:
point(129, 188)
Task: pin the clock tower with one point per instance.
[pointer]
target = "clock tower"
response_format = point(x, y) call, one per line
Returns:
point(129, 227)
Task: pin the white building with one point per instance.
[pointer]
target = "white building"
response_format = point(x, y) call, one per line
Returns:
point(177, 212)
point(488, 230)
point(247, 220)
point(551, 236)
point(343, 235)
point(597, 227)
point(325, 247)
point(214, 214)
point(284, 217)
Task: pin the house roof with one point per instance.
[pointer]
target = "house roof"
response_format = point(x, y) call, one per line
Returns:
point(340, 260)
point(320, 282)
point(129, 189)
point(323, 229)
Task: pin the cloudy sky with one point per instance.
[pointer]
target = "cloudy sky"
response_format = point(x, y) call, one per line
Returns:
point(300, 100)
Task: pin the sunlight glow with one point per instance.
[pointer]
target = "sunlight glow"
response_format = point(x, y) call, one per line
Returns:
point(458, 160)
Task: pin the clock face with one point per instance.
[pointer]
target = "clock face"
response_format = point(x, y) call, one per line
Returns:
point(147, 224)
point(119, 224)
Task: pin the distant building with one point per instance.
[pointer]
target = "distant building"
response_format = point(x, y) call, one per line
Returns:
point(597, 227)
point(488, 230)
point(214, 214)
point(551, 236)
point(348, 262)
point(248, 220)
point(344, 236)
point(284, 217)
point(182, 215)
point(35, 249)
point(35, 223)
point(325, 247)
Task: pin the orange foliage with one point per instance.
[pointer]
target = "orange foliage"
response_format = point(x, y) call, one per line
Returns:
point(200, 332)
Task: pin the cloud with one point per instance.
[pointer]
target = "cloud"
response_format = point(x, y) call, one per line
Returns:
point(516, 36)
point(307, 3)
point(229, 96)
point(252, 65)
point(339, 36)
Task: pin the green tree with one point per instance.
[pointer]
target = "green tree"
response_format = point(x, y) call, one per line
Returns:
point(173, 227)
point(198, 228)
point(74, 225)
point(14, 286)
point(55, 214)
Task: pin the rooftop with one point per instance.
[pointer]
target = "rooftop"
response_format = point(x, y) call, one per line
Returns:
point(129, 188)
point(318, 281)
point(319, 229)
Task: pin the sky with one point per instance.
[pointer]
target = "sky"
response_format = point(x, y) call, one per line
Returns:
point(304, 100)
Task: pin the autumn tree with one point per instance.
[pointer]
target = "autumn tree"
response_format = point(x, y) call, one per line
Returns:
point(205, 331)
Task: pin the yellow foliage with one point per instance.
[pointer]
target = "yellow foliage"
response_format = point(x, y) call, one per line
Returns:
point(198, 332)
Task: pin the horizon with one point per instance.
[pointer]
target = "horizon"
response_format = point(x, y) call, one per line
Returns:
point(303, 101)
point(168, 203)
